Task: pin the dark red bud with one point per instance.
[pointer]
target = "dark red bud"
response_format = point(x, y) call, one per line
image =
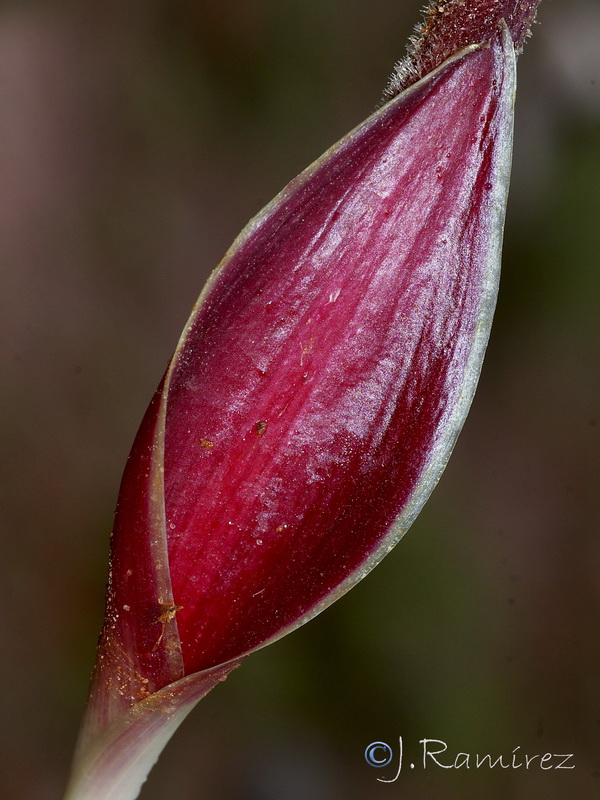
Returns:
point(315, 395)
point(319, 386)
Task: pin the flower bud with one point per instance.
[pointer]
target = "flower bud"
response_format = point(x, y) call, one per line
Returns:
point(311, 404)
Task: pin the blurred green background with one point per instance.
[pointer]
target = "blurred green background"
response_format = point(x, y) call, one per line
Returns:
point(136, 138)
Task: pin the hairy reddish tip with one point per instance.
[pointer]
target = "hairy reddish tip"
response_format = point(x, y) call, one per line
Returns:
point(451, 25)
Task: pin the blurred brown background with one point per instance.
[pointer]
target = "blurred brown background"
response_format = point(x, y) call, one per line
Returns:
point(136, 138)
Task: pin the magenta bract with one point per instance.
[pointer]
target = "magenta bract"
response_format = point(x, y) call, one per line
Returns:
point(318, 388)
point(315, 395)
point(308, 396)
